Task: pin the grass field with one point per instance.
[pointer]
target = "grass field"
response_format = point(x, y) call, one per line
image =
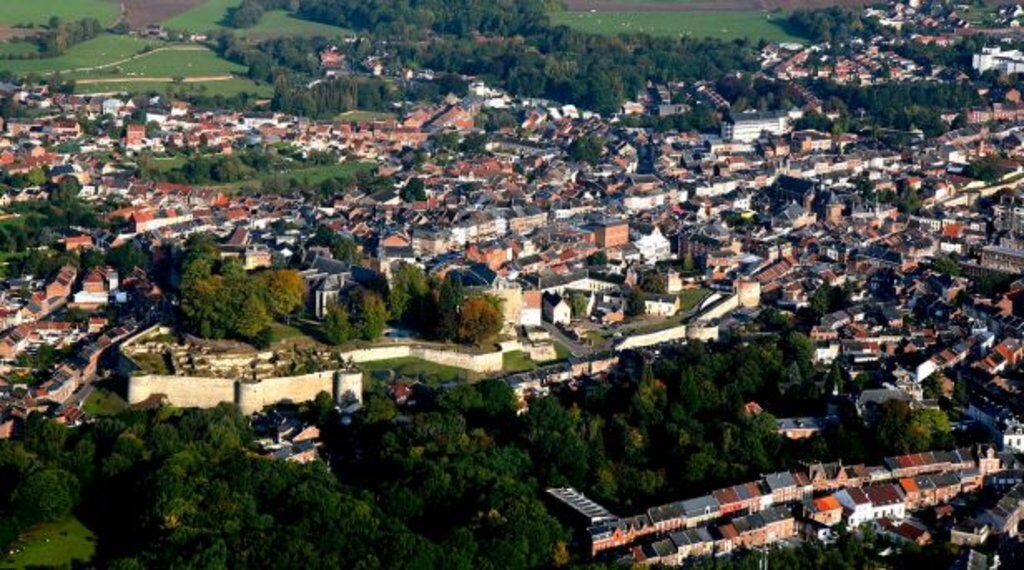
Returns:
point(726, 25)
point(18, 47)
point(13, 12)
point(206, 17)
point(103, 402)
point(54, 544)
point(101, 50)
point(690, 298)
point(317, 174)
point(279, 23)
point(170, 62)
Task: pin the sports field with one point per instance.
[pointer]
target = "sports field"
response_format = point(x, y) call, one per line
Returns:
point(725, 24)
point(22, 12)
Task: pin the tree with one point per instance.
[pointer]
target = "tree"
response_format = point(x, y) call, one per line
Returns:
point(578, 302)
point(336, 326)
point(479, 320)
point(409, 288)
point(284, 289)
point(586, 149)
point(373, 315)
point(46, 495)
point(636, 305)
point(450, 298)
point(414, 191)
point(253, 317)
point(654, 282)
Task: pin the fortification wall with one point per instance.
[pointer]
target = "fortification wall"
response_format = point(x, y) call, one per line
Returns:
point(724, 307)
point(657, 337)
point(184, 391)
point(254, 396)
point(482, 363)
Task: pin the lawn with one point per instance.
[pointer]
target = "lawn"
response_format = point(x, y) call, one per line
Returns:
point(103, 402)
point(429, 372)
point(104, 49)
point(317, 174)
point(13, 12)
point(281, 332)
point(279, 24)
point(310, 175)
point(517, 361)
point(206, 17)
point(55, 544)
point(690, 298)
point(726, 25)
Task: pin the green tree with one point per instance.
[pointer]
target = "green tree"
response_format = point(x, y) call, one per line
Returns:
point(336, 326)
point(373, 315)
point(450, 298)
point(578, 302)
point(636, 305)
point(45, 495)
point(285, 291)
point(409, 289)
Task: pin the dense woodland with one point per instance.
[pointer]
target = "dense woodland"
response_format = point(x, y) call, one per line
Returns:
point(456, 483)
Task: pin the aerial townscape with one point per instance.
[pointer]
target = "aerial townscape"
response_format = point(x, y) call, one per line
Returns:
point(501, 284)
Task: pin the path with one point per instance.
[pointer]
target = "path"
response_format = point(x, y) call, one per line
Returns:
point(574, 347)
point(147, 79)
point(128, 59)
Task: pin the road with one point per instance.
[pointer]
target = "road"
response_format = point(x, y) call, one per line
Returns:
point(574, 347)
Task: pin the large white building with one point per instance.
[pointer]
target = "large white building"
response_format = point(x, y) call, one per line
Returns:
point(747, 127)
point(1003, 61)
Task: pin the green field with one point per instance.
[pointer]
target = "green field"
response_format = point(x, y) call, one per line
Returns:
point(726, 25)
point(14, 12)
point(103, 402)
point(206, 17)
point(317, 174)
point(18, 47)
point(54, 544)
point(191, 61)
point(279, 23)
point(102, 50)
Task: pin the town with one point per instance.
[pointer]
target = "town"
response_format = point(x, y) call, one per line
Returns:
point(768, 311)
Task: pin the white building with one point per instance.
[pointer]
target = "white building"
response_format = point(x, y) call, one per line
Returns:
point(1003, 61)
point(866, 504)
point(746, 127)
point(1013, 437)
point(654, 246)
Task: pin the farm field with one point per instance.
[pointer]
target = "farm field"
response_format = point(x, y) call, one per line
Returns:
point(184, 61)
point(279, 23)
point(15, 12)
point(55, 544)
point(102, 50)
point(726, 25)
point(205, 17)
